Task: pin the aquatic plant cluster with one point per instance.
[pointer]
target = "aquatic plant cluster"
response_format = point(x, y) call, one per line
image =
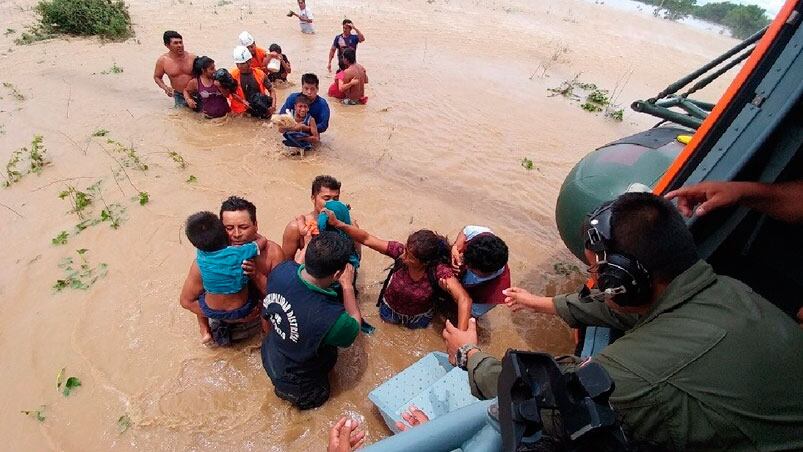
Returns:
point(108, 19)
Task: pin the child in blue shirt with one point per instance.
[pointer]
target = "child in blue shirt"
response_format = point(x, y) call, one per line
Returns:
point(221, 271)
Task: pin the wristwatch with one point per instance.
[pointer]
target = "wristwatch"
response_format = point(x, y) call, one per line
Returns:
point(461, 355)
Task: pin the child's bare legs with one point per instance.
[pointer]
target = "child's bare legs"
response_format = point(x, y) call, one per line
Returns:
point(206, 332)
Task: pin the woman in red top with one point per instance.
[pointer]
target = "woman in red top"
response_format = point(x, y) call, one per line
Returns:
point(408, 297)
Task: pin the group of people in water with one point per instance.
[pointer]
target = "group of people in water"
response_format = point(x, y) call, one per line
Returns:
point(677, 384)
point(249, 88)
point(304, 288)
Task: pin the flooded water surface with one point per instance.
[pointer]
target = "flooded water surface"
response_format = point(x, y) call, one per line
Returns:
point(458, 99)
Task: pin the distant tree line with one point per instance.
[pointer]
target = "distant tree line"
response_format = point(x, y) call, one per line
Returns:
point(742, 20)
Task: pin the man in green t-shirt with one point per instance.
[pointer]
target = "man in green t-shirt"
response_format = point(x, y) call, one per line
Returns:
point(308, 320)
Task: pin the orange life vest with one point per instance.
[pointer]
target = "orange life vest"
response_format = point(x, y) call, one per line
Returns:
point(259, 58)
point(237, 106)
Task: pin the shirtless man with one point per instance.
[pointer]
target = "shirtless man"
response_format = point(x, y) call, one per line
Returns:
point(324, 188)
point(239, 218)
point(177, 64)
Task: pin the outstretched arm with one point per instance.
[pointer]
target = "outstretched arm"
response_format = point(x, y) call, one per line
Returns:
point(782, 201)
point(357, 234)
point(461, 298)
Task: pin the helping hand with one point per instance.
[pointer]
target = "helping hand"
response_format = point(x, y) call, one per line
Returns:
point(168, 91)
point(517, 299)
point(331, 219)
point(456, 338)
point(706, 196)
point(345, 436)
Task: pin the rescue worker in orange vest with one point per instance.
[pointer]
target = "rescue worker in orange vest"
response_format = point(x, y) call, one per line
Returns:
point(250, 81)
point(259, 58)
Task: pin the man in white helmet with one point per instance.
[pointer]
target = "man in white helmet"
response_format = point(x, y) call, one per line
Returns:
point(259, 58)
point(250, 81)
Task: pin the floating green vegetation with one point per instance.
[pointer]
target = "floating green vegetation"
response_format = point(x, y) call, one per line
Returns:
point(100, 133)
point(70, 385)
point(527, 164)
point(79, 275)
point(615, 114)
point(15, 93)
point(592, 98)
point(191, 179)
point(80, 200)
point(39, 414)
point(129, 156)
point(123, 423)
point(566, 269)
point(9, 31)
point(61, 238)
point(178, 158)
point(36, 155)
point(115, 69)
point(143, 198)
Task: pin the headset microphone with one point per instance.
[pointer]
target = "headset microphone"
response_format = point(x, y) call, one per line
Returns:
point(620, 276)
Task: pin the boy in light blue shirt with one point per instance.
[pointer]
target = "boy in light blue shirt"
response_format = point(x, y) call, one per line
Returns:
point(221, 272)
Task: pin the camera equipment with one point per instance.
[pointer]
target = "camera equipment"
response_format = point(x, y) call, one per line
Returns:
point(578, 400)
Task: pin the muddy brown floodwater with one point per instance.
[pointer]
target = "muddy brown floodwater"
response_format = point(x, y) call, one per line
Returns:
point(458, 97)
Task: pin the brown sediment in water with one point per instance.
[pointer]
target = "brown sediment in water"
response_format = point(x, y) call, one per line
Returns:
point(454, 107)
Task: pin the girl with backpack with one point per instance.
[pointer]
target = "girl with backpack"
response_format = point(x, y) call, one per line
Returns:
point(421, 277)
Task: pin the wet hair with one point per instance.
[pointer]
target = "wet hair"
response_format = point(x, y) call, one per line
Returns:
point(350, 56)
point(486, 253)
point(310, 79)
point(206, 232)
point(650, 229)
point(327, 254)
point(275, 48)
point(324, 181)
point(347, 21)
point(170, 35)
point(199, 64)
point(302, 99)
point(429, 247)
point(235, 203)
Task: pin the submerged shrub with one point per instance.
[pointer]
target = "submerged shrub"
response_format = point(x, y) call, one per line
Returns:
point(108, 19)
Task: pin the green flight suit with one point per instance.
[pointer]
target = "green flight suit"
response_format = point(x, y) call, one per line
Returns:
point(712, 366)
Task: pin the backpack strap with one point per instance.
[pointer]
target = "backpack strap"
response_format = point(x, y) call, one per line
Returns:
point(397, 265)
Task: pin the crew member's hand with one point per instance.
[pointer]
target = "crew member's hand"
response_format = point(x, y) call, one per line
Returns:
point(345, 436)
point(517, 299)
point(169, 91)
point(271, 110)
point(191, 103)
point(456, 338)
point(249, 267)
point(412, 416)
point(347, 277)
point(457, 260)
point(329, 67)
point(705, 196)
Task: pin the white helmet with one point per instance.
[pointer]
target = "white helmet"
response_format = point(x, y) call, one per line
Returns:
point(246, 39)
point(241, 54)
